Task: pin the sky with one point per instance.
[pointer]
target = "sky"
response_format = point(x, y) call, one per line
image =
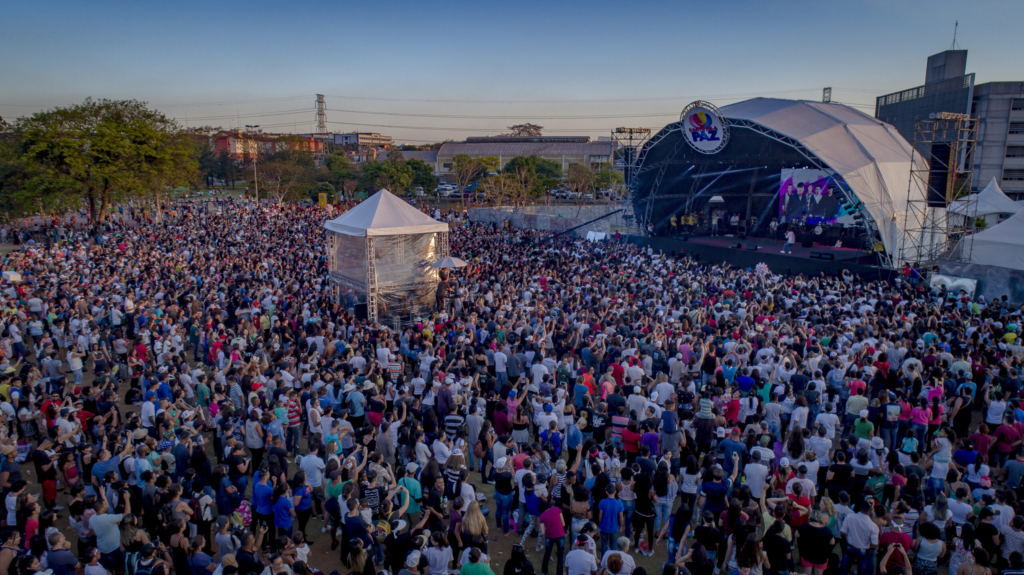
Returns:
point(430, 71)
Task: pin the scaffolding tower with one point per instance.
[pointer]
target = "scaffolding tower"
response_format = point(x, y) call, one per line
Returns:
point(628, 143)
point(321, 130)
point(948, 141)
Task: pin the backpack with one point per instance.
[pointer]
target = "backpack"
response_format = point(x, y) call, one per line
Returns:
point(166, 514)
point(140, 569)
point(478, 450)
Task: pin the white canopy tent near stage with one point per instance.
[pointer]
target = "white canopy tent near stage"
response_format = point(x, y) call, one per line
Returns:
point(991, 204)
point(382, 253)
point(1001, 245)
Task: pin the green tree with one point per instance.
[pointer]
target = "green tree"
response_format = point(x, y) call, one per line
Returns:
point(489, 165)
point(100, 152)
point(322, 188)
point(536, 175)
point(422, 175)
point(284, 181)
point(580, 179)
point(228, 168)
point(396, 177)
point(340, 165)
point(606, 177)
point(464, 170)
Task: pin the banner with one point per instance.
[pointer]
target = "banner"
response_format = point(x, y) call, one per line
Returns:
point(323, 201)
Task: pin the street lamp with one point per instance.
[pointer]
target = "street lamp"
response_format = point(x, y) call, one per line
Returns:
point(255, 180)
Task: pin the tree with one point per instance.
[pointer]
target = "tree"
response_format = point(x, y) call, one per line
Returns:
point(340, 165)
point(501, 188)
point(580, 179)
point(322, 188)
point(464, 169)
point(283, 181)
point(606, 177)
point(162, 183)
point(228, 168)
point(394, 176)
point(535, 174)
point(549, 173)
point(422, 175)
point(525, 130)
point(100, 151)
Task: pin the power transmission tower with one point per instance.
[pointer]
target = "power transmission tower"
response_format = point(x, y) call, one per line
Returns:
point(321, 129)
point(826, 94)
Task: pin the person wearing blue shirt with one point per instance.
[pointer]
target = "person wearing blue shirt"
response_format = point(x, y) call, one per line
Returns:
point(732, 446)
point(611, 518)
point(284, 510)
point(163, 391)
point(263, 508)
point(302, 498)
point(579, 390)
point(969, 385)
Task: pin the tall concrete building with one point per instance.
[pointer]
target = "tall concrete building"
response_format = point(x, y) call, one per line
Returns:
point(998, 106)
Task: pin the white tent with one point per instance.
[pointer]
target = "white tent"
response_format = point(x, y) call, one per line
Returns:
point(1001, 245)
point(384, 214)
point(869, 154)
point(990, 203)
point(381, 253)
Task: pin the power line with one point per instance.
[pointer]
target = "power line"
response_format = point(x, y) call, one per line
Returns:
point(509, 117)
point(448, 129)
point(571, 101)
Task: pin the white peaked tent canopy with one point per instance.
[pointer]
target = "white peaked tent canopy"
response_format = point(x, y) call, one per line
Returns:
point(384, 214)
point(991, 200)
point(869, 154)
point(1001, 245)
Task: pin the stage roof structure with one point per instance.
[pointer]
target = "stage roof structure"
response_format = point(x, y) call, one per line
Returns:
point(871, 156)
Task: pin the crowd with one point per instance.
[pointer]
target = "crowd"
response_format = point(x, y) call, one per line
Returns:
point(189, 395)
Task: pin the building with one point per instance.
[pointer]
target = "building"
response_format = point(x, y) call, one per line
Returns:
point(998, 106)
point(363, 139)
point(241, 145)
point(565, 150)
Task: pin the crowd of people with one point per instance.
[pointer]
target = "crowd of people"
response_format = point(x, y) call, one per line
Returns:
point(191, 397)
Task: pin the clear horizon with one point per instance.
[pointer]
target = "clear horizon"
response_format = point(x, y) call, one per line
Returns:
point(428, 72)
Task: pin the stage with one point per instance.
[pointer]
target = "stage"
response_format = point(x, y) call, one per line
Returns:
point(804, 260)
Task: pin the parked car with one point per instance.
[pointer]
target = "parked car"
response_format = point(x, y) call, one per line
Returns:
point(445, 190)
point(418, 192)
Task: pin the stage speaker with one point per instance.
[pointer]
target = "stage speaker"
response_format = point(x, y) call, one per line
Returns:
point(822, 256)
point(737, 246)
point(938, 174)
point(752, 247)
point(360, 311)
point(807, 243)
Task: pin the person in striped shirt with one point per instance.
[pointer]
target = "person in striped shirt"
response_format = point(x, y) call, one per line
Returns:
point(294, 422)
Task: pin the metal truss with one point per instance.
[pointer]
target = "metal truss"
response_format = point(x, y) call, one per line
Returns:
point(631, 141)
point(442, 246)
point(371, 281)
point(932, 233)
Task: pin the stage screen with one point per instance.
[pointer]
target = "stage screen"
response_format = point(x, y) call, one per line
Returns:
point(809, 196)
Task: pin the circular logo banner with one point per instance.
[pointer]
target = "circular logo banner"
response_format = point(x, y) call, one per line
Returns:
point(704, 127)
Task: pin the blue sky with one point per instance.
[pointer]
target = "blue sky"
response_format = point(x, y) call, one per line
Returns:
point(635, 63)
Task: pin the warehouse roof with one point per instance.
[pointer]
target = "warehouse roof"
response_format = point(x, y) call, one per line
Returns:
point(602, 148)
